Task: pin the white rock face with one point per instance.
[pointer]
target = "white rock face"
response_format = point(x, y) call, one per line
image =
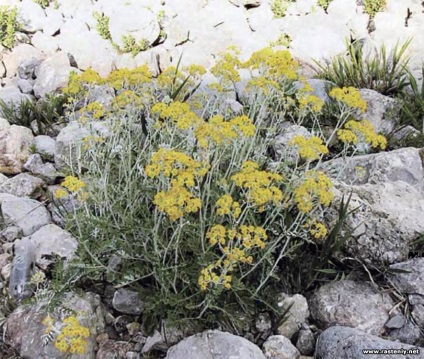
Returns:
point(52, 75)
point(47, 44)
point(32, 16)
point(21, 53)
point(134, 20)
point(14, 148)
point(53, 22)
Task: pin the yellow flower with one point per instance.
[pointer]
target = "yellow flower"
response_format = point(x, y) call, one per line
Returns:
point(73, 184)
point(350, 96)
point(309, 149)
point(177, 113)
point(318, 230)
point(60, 193)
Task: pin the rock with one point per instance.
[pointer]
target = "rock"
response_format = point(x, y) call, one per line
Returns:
point(214, 344)
point(46, 171)
point(51, 239)
point(46, 44)
point(113, 349)
point(352, 304)
point(305, 342)
point(23, 53)
point(381, 111)
point(127, 302)
point(167, 337)
point(408, 334)
point(121, 322)
point(24, 326)
point(21, 270)
point(27, 69)
point(32, 16)
point(23, 185)
point(347, 343)
point(94, 52)
point(297, 312)
point(14, 148)
point(279, 347)
point(44, 146)
point(27, 214)
point(418, 315)
point(11, 233)
point(396, 322)
point(53, 22)
point(412, 282)
point(301, 8)
point(13, 97)
point(405, 133)
point(388, 191)
point(52, 75)
point(263, 324)
point(25, 86)
point(125, 21)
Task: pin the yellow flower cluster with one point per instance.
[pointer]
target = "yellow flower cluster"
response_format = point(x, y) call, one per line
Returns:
point(226, 67)
point(260, 190)
point(226, 205)
point(350, 96)
point(318, 230)
point(125, 98)
point(311, 102)
point(77, 81)
point(248, 236)
point(262, 83)
point(182, 170)
point(219, 131)
point(275, 65)
point(316, 187)
point(178, 113)
point(96, 109)
point(71, 183)
point(176, 202)
point(364, 129)
point(125, 78)
point(309, 149)
point(181, 167)
point(72, 337)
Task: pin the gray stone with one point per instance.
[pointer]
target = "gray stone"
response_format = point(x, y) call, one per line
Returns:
point(52, 75)
point(127, 302)
point(14, 148)
point(279, 347)
point(408, 334)
point(46, 171)
point(346, 343)
point(296, 312)
point(352, 304)
point(26, 70)
point(215, 344)
point(22, 53)
point(418, 315)
point(381, 111)
point(396, 322)
point(305, 342)
point(25, 86)
point(45, 146)
point(27, 214)
point(11, 233)
point(411, 282)
point(23, 185)
point(318, 86)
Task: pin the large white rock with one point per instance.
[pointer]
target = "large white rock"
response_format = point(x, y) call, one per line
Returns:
point(53, 22)
point(32, 16)
point(45, 43)
point(52, 75)
point(21, 53)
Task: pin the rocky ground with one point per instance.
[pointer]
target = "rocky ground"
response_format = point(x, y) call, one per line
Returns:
point(341, 318)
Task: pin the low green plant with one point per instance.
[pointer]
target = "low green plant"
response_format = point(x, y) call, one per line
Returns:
point(43, 3)
point(283, 40)
point(372, 7)
point(324, 3)
point(102, 26)
point(45, 112)
point(196, 213)
point(382, 72)
point(130, 45)
point(279, 7)
point(8, 25)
